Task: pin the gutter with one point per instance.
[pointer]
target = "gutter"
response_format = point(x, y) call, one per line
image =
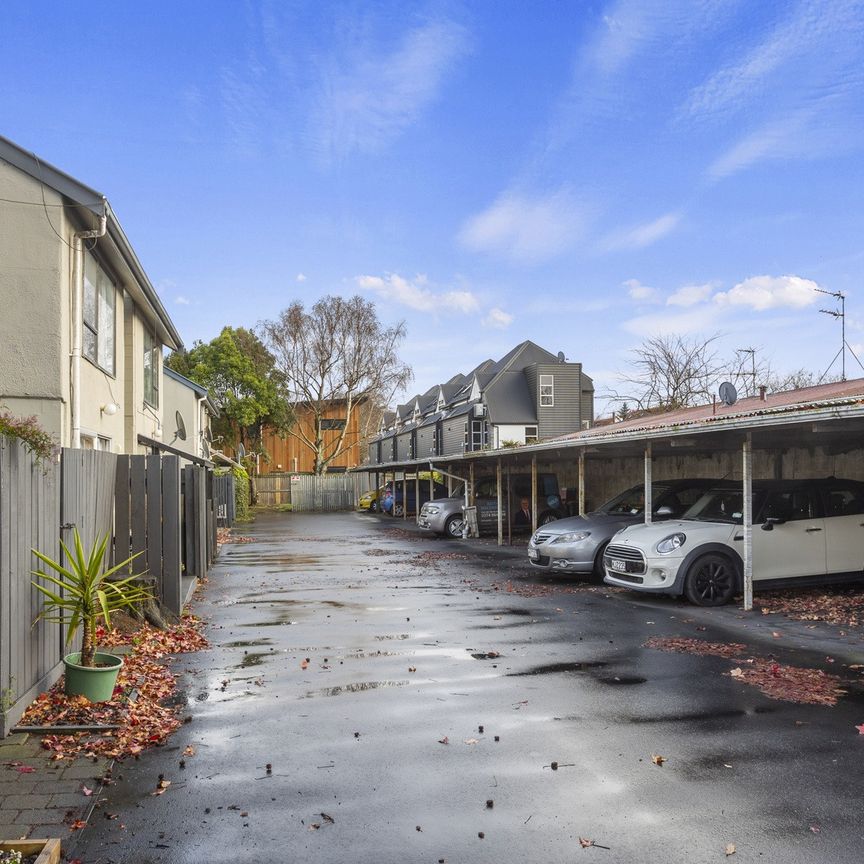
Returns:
point(78, 317)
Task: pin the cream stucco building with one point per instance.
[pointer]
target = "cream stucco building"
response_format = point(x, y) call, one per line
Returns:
point(82, 330)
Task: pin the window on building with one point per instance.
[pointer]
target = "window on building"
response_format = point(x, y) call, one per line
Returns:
point(98, 316)
point(151, 369)
point(530, 434)
point(547, 391)
point(478, 434)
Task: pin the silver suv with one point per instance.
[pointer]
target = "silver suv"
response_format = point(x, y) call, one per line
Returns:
point(576, 545)
point(445, 516)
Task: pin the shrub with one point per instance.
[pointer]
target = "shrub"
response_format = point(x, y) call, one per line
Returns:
point(28, 431)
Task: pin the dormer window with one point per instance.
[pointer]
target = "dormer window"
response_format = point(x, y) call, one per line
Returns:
point(547, 391)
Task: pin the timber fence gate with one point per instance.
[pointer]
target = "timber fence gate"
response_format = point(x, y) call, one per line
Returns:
point(148, 504)
point(308, 492)
point(223, 496)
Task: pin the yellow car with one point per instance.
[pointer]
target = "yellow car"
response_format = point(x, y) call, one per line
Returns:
point(369, 501)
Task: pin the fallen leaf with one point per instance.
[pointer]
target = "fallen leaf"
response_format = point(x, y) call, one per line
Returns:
point(860, 729)
point(446, 740)
point(471, 741)
point(585, 843)
point(161, 786)
point(730, 849)
point(737, 672)
point(189, 751)
point(412, 668)
point(328, 819)
point(86, 791)
point(657, 759)
point(304, 664)
point(78, 824)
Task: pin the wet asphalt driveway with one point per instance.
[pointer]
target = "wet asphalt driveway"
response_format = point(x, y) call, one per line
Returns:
point(344, 654)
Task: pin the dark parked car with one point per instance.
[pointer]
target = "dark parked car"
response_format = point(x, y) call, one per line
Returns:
point(393, 504)
point(576, 544)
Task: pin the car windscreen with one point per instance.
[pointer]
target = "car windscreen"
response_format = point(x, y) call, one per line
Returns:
point(632, 502)
point(723, 505)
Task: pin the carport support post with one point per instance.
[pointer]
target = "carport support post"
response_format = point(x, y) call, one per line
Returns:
point(747, 495)
point(648, 494)
point(416, 493)
point(533, 494)
point(404, 495)
point(499, 492)
point(581, 482)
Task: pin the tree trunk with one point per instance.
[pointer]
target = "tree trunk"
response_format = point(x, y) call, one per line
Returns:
point(88, 645)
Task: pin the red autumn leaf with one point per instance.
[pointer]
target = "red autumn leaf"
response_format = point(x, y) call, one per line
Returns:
point(860, 729)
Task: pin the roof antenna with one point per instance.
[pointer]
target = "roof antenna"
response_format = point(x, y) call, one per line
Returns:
point(841, 314)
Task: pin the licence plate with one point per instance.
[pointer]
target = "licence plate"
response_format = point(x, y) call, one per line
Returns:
point(618, 564)
point(533, 554)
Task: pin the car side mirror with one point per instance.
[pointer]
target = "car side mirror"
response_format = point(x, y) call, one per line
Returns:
point(770, 522)
point(665, 510)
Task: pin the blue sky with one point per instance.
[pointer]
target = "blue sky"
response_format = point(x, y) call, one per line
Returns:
point(582, 174)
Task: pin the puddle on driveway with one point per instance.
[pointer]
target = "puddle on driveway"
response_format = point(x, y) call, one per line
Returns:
point(557, 668)
point(623, 680)
point(254, 659)
point(248, 643)
point(261, 558)
point(355, 688)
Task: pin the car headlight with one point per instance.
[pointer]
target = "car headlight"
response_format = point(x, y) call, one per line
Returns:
point(572, 537)
point(671, 543)
point(430, 508)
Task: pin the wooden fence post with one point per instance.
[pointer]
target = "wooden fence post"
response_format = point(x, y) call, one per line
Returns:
point(172, 538)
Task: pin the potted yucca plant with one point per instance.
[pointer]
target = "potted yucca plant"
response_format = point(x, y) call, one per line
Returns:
point(80, 595)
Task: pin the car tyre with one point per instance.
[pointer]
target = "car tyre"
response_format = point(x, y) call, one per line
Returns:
point(397, 510)
point(453, 527)
point(711, 580)
point(599, 571)
point(373, 507)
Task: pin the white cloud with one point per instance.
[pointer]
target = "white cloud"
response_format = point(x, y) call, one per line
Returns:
point(301, 277)
point(368, 96)
point(697, 320)
point(641, 293)
point(525, 227)
point(770, 292)
point(497, 319)
point(643, 235)
point(690, 295)
point(417, 295)
point(180, 300)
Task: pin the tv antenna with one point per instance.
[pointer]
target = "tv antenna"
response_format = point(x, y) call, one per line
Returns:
point(752, 373)
point(841, 314)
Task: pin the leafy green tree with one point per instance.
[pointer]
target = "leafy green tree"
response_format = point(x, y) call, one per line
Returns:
point(242, 379)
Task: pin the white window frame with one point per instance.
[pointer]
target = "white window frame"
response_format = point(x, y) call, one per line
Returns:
point(102, 326)
point(531, 437)
point(547, 391)
point(152, 353)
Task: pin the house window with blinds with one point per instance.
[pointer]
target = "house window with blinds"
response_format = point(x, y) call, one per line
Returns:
point(98, 316)
point(151, 369)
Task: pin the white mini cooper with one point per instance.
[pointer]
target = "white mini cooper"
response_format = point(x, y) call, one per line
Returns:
point(804, 532)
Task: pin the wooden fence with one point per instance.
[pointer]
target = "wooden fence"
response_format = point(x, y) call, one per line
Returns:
point(29, 518)
point(223, 496)
point(308, 492)
point(153, 506)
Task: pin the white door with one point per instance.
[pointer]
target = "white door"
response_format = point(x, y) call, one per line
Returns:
point(797, 546)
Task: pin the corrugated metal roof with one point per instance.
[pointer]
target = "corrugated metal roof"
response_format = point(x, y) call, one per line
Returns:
point(819, 396)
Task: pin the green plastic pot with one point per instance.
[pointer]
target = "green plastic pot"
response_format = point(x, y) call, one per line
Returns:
point(96, 682)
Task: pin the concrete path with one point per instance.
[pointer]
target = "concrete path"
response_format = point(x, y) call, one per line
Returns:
point(369, 699)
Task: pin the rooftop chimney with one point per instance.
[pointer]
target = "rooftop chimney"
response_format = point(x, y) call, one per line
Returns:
point(763, 390)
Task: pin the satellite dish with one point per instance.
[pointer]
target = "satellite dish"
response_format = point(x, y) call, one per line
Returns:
point(728, 393)
point(181, 426)
point(561, 357)
point(241, 450)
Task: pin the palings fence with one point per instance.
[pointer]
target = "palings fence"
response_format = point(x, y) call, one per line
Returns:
point(309, 492)
point(223, 495)
point(150, 505)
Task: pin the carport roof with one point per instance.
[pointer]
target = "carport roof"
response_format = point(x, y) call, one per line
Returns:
point(838, 393)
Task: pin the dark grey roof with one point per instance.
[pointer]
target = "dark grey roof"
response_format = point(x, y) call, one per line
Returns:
point(509, 399)
point(459, 410)
point(96, 204)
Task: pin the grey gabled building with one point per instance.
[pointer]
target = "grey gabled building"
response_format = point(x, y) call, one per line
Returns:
point(529, 395)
